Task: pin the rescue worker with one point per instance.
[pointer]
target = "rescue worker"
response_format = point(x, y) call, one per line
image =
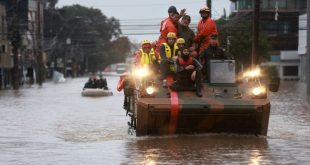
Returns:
point(146, 56)
point(92, 82)
point(187, 73)
point(180, 44)
point(169, 24)
point(126, 83)
point(185, 32)
point(214, 51)
point(102, 82)
point(154, 46)
point(206, 28)
point(168, 54)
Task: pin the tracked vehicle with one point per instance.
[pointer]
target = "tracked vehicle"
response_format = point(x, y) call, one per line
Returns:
point(231, 103)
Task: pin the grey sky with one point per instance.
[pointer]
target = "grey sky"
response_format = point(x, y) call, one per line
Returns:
point(134, 13)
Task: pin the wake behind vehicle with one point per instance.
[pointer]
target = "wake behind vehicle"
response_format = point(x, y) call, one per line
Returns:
point(230, 104)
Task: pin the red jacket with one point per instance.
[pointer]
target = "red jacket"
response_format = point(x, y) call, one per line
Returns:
point(206, 28)
point(166, 26)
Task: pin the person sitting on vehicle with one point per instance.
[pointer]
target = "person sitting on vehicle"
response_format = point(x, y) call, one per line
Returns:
point(146, 56)
point(168, 54)
point(154, 46)
point(180, 44)
point(187, 73)
point(102, 82)
point(214, 51)
point(92, 82)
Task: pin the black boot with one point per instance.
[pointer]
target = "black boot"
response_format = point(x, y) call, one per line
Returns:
point(198, 84)
point(198, 91)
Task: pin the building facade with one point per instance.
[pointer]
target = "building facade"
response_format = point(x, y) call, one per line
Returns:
point(27, 16)
point(6, 60)
point(302, 46)
point(278, 19)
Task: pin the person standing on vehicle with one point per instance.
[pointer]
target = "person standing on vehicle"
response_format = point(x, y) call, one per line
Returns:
point(102, 82)
point(185, 32)
point(187, 73)
point(169, 24)
point(168, 54)
point(206, 28)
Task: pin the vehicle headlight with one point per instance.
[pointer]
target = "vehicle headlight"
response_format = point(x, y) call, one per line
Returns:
point(259, 92)
point(150, 90)
point(141, 72)
point(252, 73)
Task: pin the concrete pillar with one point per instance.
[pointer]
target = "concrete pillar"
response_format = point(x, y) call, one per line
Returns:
point(308, 48)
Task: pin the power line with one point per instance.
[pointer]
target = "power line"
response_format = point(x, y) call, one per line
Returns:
point(143, 5)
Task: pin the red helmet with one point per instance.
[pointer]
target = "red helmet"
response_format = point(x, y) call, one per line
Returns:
point(204, 8)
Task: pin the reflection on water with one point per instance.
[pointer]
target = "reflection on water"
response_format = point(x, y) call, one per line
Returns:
point(56, 125)
point(214, 149)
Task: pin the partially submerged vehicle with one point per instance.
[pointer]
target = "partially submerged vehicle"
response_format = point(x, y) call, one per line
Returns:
point(231, 103)
point(96, 92)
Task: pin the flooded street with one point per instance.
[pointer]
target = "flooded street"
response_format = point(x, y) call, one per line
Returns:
point(54, 124)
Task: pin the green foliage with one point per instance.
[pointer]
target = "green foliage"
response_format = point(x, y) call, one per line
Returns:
point(90, 32)
point(239, 28)
point(49, 4)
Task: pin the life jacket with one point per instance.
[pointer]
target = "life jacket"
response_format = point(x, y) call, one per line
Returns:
point(168, 50)
point(184, 63)
point(147, 59)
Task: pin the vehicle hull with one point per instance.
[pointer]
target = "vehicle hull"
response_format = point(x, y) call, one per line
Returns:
point(155, 116)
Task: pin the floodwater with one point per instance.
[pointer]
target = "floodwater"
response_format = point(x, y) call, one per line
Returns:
point(54, 124)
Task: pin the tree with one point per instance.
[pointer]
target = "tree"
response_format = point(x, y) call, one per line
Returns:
point(120, 48)
point(49, 4)
point(239, 30)
point(90, 32)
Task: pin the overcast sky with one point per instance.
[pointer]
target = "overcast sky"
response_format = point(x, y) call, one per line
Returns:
point(140, 19)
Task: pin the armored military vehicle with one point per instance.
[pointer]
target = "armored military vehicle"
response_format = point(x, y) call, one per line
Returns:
point(231, 103)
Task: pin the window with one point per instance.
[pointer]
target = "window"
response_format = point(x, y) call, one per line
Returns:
point(290, 70)
point(2, 26)
point(3, 48)
point(285, 28)
point(245, 4)
point(272, 4)
point(282, 4)
point(291, 4)
point(265, 4)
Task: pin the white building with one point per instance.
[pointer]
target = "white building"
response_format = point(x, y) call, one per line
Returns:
point(302, 45)
point(289, 65)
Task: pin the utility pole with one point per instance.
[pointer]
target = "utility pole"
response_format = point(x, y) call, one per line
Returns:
point(209, 4)
point(15, 40)
point(308, 48)
point(40, 64)
point(255, 32)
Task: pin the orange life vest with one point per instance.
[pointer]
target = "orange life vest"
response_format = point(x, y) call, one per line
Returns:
point(184, 63)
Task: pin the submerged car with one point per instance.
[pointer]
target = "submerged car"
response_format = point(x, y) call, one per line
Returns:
point(231, 103)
